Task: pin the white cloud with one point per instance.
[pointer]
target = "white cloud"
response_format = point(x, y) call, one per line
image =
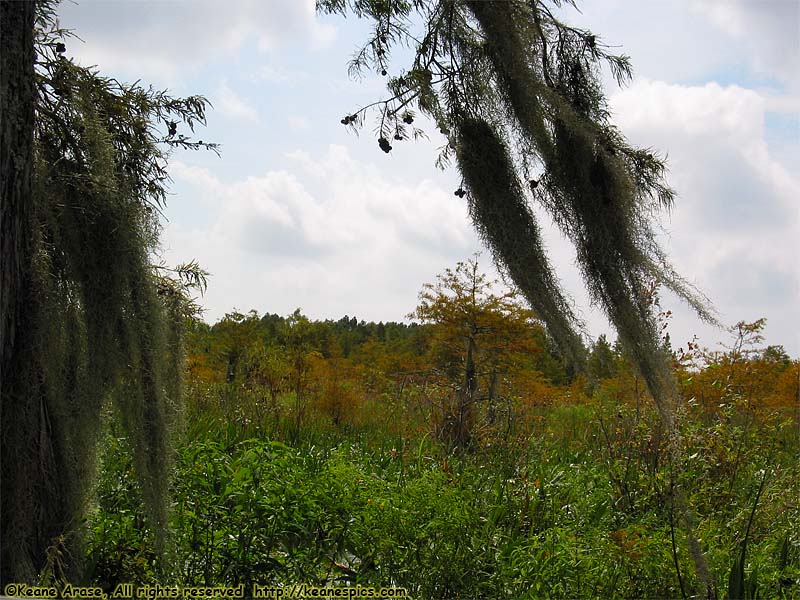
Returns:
point(769, 31)
point(199, 177)
point(345, 240)
point(232, 105)
point(736, 227)
point(698, 110)
point(299, 123)
point(663, 39)
point(166, 38)
point(279, 75)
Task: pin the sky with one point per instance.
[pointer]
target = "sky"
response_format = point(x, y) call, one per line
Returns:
point(300, 212)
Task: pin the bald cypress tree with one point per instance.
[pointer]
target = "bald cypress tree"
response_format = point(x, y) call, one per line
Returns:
point(517, 93)
point(88, 322)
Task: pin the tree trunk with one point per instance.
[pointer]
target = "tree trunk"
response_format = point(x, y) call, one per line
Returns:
point(466, 397)
point(16, 161)
point(16, 167)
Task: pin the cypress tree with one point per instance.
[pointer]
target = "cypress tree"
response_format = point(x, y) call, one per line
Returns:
point(517, 92)
point(16, 168)
point(100, 325)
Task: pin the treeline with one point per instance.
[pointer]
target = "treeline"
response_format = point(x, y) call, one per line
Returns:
point(218, 352)
point(456, 455)
point(469, 356)
point(474, 365)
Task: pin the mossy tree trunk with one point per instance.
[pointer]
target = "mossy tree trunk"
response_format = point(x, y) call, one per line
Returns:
point(85, 318)
point(16, 166)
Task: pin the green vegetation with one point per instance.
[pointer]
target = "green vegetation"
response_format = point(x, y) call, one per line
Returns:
point(481, 452)
point(316, 452)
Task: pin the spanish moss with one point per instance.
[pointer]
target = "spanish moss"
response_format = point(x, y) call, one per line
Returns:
point(503, 218)
point(601, 192)
point(104, 324)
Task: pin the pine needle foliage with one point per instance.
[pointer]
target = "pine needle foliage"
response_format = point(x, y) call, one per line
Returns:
point(517, 92)
point(106, 324)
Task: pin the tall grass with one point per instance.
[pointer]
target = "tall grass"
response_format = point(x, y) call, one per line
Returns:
point(574, 506)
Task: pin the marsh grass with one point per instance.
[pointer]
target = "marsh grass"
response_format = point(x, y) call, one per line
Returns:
point(578, 507)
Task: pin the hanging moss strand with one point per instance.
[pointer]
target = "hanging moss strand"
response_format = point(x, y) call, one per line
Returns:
point(500, 212)
point(103, 325)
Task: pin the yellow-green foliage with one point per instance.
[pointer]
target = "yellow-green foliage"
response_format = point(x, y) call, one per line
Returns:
point(574, 503)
